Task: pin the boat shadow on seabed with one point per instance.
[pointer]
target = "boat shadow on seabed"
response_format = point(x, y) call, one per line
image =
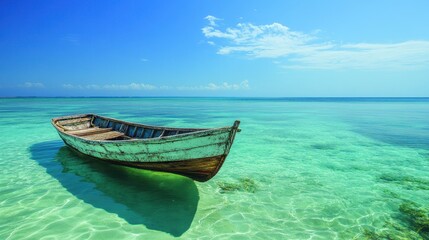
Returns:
point(163, 202)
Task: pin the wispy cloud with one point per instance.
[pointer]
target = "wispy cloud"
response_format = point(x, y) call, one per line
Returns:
point(215, 87)
point(212, 20)
point(143, 86)
point(305, 50)
point(73, 39)
point(131, 86)
point(165, 87)
point(32, 85)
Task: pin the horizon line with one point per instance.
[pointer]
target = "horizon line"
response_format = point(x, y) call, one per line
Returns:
point(332, 97)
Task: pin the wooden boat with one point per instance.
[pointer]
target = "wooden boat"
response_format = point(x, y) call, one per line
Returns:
point(197, 153)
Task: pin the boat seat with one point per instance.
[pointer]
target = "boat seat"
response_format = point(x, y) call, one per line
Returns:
point(104, 136)
point(73, 121)
point(89, 131)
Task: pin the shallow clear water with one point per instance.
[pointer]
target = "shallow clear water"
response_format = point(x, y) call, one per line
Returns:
point(299, 169)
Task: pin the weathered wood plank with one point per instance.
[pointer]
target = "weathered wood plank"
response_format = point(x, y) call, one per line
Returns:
point(201, 169)
point(104, 136)
point(205, 145)
point(79, 126)
point(73, 121)
point(89, 131)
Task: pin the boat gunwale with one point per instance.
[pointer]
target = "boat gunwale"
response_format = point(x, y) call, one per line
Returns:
point(196, 131)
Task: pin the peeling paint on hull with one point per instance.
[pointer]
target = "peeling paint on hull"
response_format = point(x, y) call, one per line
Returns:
point(198, 154)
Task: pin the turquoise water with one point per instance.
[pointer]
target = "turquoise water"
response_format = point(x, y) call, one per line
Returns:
point(299, 169)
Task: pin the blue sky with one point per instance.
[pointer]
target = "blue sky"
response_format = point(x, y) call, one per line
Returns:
point(214, 48)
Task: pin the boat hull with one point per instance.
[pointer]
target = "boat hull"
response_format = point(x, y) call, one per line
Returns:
point(201, 169)
point(198, 155)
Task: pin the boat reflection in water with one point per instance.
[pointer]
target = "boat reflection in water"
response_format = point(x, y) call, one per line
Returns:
point(160, 201)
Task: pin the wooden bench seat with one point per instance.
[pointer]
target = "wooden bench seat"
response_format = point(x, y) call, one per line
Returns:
point(104, 136)
point(89, 131)
point(73, 121)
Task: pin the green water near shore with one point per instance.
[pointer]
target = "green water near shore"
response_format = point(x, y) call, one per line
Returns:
point(299, 169)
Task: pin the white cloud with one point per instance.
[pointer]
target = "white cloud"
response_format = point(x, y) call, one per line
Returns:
point(131, 86)
point(404, 55)
point(32, 85)
point(301, 50)
point(215, 87)
point(143, 86)
point(69, 86)
point(212, 20)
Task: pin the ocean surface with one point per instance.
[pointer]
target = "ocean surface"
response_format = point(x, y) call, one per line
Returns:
point(301, 168)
